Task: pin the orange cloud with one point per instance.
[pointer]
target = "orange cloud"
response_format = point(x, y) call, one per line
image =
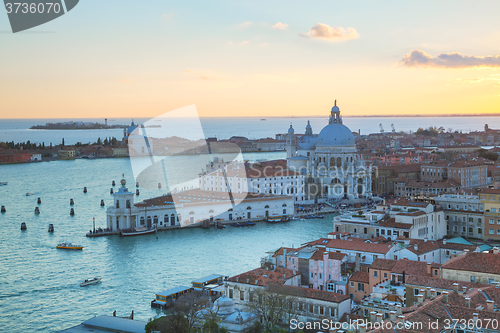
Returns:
point(280, 26)
point(331, 34)
point(418, 58)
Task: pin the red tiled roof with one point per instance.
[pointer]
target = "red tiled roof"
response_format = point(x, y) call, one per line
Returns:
point(391, 223)
point(412, 267)
point(264, 277)
point(342, 244)
point(360, 277)
point(383, 264)
point(475, 262)
point(322, 295)
point(442, 284)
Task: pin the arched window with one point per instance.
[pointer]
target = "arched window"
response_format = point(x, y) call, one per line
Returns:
point(283, 205)
point(211, 211)
point(155, 219)
point(172, 219)
point(117, 204)
point(266, 206)
point(191, 213)
point(142, 220)
point(248, 208)
point(332, 161)
point(335, 181)
point(360, 180)
point(165, 219)
point(339, 162)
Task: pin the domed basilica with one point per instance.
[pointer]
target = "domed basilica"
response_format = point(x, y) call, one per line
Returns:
point(329, 161)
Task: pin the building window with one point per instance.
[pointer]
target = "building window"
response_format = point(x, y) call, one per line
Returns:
point(479, 230)
point(361, 286)
point(375, 273)
point(435, 272)
point(415, 291)
point(492, 221)
point(352, 284)
point(230, 293)
point(312, 275)
point(492, 231)
point(472, 278)
point(242, 295)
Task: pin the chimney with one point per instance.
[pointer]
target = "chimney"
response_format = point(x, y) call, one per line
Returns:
point(425, 239)
point(444, 241)
point(420, 299)
point(464, 289)
point(433, 293)
point(248, 281)
point(475, 317)
point(398, 309)
point(496, 284)
point(256, 282)
point(455, 288)
point(237, 279)
point(445, 297)
point(401, 319)
point(362, 328)
point(392, 306)
point(467, 302)
point(495, 250)
point(392, 315)
point(294, 272)
point(373, 316)
point(415, 247)
point(428, 293)
point(379, 317)
point(490, 305)
point(429, 270)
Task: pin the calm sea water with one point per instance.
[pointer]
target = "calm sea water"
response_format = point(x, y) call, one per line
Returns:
point(39, 285)
point(223, 128)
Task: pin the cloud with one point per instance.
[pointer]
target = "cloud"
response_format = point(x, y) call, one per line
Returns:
point(491, 78)
point(280, 26)
point(332, 34)
point(417, 58)
point(244, 42)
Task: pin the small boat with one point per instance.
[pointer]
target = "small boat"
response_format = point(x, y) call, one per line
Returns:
point(69, 246)
point(136, 232)
point(29, 194)
point(278, 219)
point(90, 281)
point(3, 183)
point(242, 224)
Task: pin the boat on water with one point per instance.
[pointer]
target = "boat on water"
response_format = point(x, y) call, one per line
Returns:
point(3, 183)
point(90, 281)
point(242, 224)
point(69, 246)
point(278, 218)
point(29, 194)
point(137, 231)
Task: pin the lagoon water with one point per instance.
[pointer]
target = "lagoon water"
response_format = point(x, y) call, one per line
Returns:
point(39, 285)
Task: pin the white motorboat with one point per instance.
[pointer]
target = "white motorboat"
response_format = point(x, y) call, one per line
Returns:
point(90, 281)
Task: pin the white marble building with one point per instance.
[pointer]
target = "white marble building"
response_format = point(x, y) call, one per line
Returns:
point(329, 161)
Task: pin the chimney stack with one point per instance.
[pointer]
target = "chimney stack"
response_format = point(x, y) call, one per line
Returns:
point(362, 328)
point(398, 309)
point(445, 297)
point(392, 306)
point(433, 293)
point(379, 317)
point(429, 270)
point(415, 247)
point(475, 317)
point(373, 316)
point(392, 315)
point(464, 289)
point(420, 299)
point(401, 319)
point(428, 293)
point(490, 305)
point(495, 250)
point(455, 288)
point(467, 302)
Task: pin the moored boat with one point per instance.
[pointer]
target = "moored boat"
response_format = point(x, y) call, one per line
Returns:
point(3, 183)
point(136, 232)
point(69, 246)
point(242, 224)
point(90, 281)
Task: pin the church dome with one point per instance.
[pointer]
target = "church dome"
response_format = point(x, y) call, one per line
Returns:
point(335, 134)
point(225, 305)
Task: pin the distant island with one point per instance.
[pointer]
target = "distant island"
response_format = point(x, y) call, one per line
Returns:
point(76, 125)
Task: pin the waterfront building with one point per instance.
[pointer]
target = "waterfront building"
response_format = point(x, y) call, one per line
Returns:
point(464, 214)
point(491, 200)
point(330, 162)
point(268, 178)
point(465, 173)
point(190, 207)
point(66, 154)
point(307, 304)
point(402, 217)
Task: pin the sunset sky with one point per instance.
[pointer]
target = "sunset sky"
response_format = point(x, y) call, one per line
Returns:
point(125, 58)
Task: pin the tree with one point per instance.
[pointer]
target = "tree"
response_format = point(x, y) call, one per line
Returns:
point(273, 306)
point(99, 141)
point(62, 144)
point(211, 326)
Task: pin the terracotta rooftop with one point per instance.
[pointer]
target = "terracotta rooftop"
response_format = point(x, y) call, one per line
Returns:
point(322, 295)
point(475, 262)
point(263, 277)
point(360, 277)
point(342, 244)
point(391, 223)
point(412, 267)
point(383, 264)
point(442, 284)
